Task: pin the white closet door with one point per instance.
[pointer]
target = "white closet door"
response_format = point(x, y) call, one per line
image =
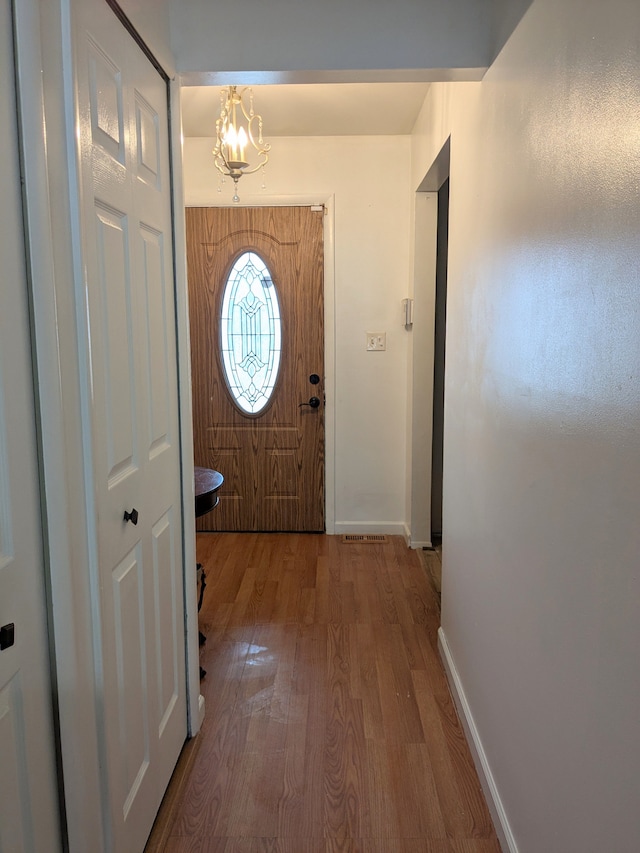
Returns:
point(28, 786)
point(128, 262)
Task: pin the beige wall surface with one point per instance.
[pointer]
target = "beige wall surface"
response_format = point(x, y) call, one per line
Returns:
point(371, 240)
point(541, 579)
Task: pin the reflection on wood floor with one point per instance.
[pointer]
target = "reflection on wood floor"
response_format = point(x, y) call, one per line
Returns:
point(329, 725)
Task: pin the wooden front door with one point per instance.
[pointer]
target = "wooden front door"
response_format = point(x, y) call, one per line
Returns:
point(272, 459)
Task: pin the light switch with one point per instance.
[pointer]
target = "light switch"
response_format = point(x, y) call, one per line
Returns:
point(376, 341)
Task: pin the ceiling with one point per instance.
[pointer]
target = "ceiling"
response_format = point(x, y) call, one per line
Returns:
point(316, 109)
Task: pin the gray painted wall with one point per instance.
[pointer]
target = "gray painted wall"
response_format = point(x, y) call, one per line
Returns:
point(362, 35)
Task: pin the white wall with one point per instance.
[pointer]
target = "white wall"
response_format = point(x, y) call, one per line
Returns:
point(372, 212)
point(541, 579)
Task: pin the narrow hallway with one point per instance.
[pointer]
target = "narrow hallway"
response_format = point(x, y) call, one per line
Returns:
point(329, 725)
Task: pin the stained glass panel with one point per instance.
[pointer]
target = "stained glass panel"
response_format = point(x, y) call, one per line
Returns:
point(250, 333)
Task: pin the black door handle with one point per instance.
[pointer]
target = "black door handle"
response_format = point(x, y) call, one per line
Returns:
point(314, 402)
point(131, 516)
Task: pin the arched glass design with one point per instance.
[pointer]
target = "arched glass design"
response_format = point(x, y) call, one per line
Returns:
point(250, 333)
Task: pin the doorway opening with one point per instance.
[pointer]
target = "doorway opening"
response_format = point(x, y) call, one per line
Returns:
point(439, 359)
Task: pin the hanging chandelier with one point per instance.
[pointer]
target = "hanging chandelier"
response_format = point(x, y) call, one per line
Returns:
point(239, 137)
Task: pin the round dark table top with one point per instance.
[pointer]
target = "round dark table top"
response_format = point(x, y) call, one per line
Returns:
point(207, 482)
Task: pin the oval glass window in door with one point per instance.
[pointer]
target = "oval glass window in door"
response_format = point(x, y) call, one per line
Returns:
point(250, 333)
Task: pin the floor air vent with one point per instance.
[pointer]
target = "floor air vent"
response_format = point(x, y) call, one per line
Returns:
point(365, 538)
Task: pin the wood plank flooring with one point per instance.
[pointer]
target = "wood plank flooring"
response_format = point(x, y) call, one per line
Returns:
point(329, 725)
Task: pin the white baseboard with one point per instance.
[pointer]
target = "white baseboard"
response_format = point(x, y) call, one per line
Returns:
point(390, 528)
point(501, 824)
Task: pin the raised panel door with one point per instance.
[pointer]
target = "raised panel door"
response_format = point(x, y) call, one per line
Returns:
point(132, 403)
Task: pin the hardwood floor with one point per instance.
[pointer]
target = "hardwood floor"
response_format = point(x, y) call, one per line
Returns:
point(431, 560)
point(329, 725)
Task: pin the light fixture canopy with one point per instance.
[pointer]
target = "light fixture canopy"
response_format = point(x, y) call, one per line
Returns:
point(239, 136)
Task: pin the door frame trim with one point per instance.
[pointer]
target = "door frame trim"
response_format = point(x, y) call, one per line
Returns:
point(195, 700)
point(424, 229)
point(328, 201)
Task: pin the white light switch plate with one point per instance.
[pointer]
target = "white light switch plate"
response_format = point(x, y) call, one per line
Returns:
point(376, 341)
